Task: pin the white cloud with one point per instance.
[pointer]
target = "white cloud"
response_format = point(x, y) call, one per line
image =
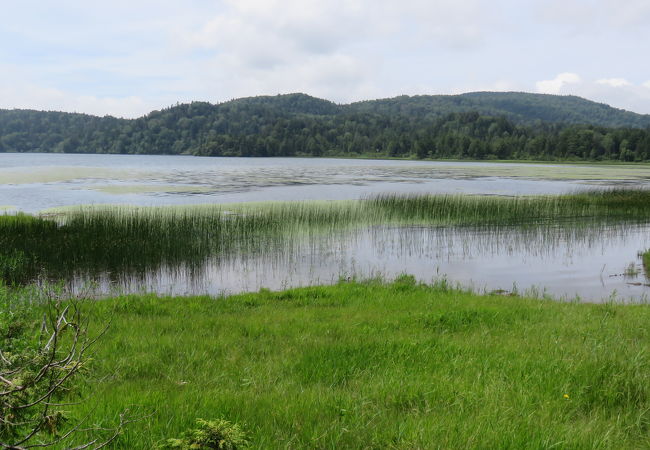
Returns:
point(497, 86)
point(15, 92)
point(556, 85)
point(628, 13)
point(586, 15)
point(617, 92)
point(140, 54)
point(614, 82)
point(337, 77)
point(132, 106)
point(272, 30)
point(318, 25)
point(50, 99)
point(345, 50)
point(257, 47)
point(630, 97)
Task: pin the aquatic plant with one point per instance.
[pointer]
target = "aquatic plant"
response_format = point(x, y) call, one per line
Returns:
point(613, 204)
point(631, 270)
point(114, 241)
point(645, 257)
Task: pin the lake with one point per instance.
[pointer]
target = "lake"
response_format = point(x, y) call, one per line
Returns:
point(589, 264)
point(33, 182)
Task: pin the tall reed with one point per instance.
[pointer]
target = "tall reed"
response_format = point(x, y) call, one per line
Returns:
point(118, 240)
point(618, 204)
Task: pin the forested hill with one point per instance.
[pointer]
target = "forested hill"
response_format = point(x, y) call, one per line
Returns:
point(480, 125)
point(520, 107)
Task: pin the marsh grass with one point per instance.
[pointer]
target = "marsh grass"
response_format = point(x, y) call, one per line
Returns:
point(645, 258)
point(136, 241)
point(375, 365)
point(603, 205)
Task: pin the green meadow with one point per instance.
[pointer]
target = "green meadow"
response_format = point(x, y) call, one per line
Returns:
point(372, 365)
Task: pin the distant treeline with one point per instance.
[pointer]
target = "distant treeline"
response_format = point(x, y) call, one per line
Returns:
point(470, 126)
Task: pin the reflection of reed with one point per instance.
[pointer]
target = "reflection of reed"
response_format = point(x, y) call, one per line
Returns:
point(310, 258)
point(535, 241)
point(127, 247)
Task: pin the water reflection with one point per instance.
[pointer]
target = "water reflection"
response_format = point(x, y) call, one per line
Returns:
point(584, 262)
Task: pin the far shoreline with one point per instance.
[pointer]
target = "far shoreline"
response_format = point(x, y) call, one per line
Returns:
point(366, 158)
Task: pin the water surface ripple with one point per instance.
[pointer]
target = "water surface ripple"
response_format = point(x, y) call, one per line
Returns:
point(33, 182)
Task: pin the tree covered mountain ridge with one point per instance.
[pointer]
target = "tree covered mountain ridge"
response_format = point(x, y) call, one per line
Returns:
point(478, 125)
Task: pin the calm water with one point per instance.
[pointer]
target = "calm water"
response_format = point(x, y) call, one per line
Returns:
point(34, 182)
point(590, 264)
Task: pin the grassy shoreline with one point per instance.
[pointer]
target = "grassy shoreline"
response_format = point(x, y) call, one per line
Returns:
point(487, 161)
point(374, 365)
point(379, 158)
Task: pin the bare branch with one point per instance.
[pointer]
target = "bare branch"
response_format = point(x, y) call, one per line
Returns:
point(46, 371)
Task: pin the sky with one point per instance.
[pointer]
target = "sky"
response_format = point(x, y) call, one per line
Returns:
point(129, 57)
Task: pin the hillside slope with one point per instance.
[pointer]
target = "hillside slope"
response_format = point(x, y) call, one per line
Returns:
point(519, 107)
point(480, 125)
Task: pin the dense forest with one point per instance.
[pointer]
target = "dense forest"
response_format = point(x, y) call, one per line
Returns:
point(480, 125)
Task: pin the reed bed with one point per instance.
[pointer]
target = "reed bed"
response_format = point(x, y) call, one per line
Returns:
point(117, 240)
point(603, 205)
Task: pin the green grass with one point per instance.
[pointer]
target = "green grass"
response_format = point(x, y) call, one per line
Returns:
point(119, 240)
point(645, 257)
point(619, 204)
point(374, 365)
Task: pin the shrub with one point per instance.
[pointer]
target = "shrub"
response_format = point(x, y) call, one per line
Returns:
point(211, 434)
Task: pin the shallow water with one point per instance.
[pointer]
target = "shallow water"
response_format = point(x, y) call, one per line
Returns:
point(590, 264)
point(585, 263)
point(33, 182)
